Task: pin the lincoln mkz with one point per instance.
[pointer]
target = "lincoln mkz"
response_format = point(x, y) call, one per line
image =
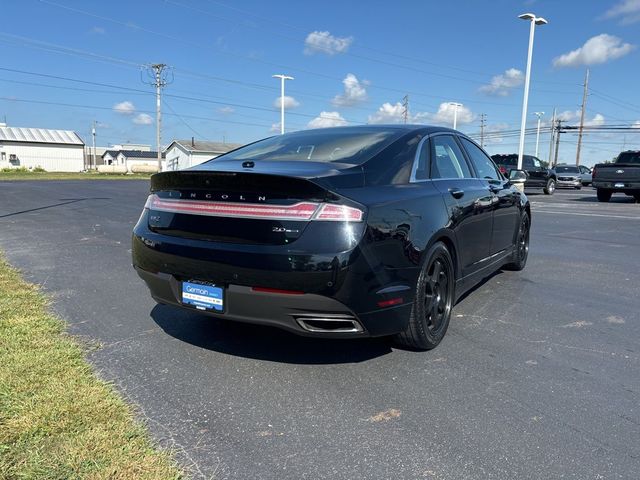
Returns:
point(338, 232)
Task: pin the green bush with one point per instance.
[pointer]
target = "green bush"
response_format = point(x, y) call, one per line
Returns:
point(38, 169)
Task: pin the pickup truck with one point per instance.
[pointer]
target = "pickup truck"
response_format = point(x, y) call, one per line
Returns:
point(621, 176)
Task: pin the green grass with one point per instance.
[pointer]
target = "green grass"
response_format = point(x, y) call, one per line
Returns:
point(19, 174)
point(57, 419)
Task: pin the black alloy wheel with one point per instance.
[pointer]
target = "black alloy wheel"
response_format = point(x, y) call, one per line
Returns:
point(433, 302)
point(521, 250)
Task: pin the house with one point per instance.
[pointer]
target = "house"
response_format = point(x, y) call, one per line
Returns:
point(53, 150)
point(183, 154)
point(131, 158)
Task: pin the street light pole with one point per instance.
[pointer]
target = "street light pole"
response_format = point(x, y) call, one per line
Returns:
point(539, 115)
point(455, 113)
point(282, 79)
point(534, 21)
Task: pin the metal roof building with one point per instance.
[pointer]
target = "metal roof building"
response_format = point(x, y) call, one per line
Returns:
point(182, 154)
point(53, 150)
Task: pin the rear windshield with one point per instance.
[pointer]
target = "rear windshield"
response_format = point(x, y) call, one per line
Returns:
point(335, 145)
point(566, 169)
point(510, 160)
point(629, 157)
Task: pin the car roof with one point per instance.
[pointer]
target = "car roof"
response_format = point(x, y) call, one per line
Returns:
point(408, 127)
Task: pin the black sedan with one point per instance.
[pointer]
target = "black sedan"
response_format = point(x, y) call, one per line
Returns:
point(337, 232)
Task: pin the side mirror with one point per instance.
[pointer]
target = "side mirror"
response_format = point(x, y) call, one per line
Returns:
point(518, 176)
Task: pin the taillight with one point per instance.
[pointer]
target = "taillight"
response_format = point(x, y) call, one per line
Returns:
point(503, 170)
point(593, 173)
point(298, 211)
point(339, 213)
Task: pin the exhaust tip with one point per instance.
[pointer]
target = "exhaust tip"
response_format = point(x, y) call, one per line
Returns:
point(329, 324)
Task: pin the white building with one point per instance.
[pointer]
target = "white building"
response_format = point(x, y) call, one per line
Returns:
point(181, 154)
point(131, 158)
point(53, 150)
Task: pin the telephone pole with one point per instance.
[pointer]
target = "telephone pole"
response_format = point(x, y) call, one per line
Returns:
point(405, 108)
point(584, 104)
point(552, 136)
point(158, 77)
point(483, 122)
point(558, 130)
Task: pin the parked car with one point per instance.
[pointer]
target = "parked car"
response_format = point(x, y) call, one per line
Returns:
point(569, 176)
point(585, 175)
point(539, 176)
point(336, 232)
point(623, 176)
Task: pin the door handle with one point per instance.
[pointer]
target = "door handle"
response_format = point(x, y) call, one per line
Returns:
point(456, 192)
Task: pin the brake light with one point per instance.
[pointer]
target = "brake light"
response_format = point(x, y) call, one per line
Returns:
point(339, 213)
point(503, 169)
point(298, 211)
point(391, 302)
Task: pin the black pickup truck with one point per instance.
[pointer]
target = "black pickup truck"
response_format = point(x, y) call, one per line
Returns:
point(623, 176)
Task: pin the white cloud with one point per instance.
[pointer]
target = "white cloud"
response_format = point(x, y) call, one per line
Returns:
point(627, 11)
point(388, 113)
point(493, 133)
point(98, 30)
point(124, 108)
point(599, 49)
point(289, 102)
point(227, 110)
point(324, 42)
point(143, 119)
point(354, 92)
point(571, 116)
point(502, 84)
point(445, 113)
point(327, 119)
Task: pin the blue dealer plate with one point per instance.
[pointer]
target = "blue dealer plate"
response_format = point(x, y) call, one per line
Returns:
point(203, 297)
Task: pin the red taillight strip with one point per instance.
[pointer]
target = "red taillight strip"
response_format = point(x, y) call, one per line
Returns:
point(298, 211)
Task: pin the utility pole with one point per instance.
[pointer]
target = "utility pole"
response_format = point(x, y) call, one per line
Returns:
point(158, 77)
point(405, 108)
point(282, 79)
point(584, 104)
point(93, 133)
point(483, 121)
point(558, 131)
point(539, 115)
point(552, 136)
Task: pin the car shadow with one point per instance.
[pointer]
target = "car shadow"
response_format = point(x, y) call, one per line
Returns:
point(614, 199)
point(262, 342)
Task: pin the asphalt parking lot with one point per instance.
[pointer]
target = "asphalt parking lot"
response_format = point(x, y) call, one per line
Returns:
point(537, 377)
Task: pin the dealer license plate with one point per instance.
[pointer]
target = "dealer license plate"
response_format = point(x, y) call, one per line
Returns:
point(203, 297)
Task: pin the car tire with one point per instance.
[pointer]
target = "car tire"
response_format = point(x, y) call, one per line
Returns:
point(551, 187)
point(435, 293)
point(603, 195)
point(637, 197)
point(521, 253)
point(578, 188)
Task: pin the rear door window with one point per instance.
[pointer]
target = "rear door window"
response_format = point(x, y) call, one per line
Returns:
point(447, 159)
point(481, 161)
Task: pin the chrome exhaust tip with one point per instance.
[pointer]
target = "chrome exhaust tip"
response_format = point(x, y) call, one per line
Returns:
point(329, 323)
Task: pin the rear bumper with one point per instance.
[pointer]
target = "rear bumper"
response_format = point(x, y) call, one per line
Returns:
point(617, 186)
point(302, 314)
point(344, 286)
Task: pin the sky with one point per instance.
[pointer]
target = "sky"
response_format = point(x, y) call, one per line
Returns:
point(66, 64)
